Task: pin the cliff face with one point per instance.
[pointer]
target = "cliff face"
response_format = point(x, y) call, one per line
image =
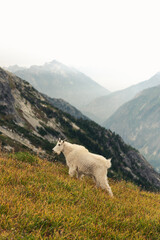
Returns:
point(134, 165)
point(29, 122)
point(6, 97)
point(138, 122)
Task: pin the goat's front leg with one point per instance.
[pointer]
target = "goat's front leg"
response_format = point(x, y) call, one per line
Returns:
point(72, 171)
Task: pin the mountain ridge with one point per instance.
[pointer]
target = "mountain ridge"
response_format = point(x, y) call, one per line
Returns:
point(105, 106)
point(35, 125)
point(137, 121)
point(60, 81)
point(65, 107)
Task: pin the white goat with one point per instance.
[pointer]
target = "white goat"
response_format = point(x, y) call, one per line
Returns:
point(81, 162)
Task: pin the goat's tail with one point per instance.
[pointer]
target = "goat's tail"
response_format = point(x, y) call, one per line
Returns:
point(108, 163)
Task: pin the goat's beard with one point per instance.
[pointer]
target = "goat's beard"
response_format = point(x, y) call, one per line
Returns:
point(57, 152)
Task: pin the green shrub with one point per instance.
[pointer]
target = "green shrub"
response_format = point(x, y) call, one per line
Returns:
point(25, 157)
point(41, 131)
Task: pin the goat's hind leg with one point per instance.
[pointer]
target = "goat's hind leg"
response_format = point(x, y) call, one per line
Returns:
point(104, 185)
point(96, 181)
point(108, 188)
point(79, 175)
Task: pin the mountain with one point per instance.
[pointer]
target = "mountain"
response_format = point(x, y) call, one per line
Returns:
point(59, 81)
point(15, 68)
point(138, 122)
point(102, 108)
point(65, 107)
point(29, 122)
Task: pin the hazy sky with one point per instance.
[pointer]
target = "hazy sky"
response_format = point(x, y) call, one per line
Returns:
point(116, 42)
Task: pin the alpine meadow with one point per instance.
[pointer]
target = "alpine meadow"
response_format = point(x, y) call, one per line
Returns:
point(38, 200)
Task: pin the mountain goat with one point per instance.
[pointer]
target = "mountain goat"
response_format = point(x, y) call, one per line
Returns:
point(81, 162)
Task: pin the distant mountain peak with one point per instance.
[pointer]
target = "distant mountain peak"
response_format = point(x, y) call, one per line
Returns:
point(53, 62)
point(60, 81)
point(103, 107)
point(15, 68)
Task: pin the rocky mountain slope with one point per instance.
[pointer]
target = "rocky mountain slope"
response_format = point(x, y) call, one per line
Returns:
point(59, 81)
point(138, 122)
point(29, 122)
point(65, 107)
point(102, 108)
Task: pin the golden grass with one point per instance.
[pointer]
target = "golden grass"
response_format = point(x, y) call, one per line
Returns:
point(41, 201)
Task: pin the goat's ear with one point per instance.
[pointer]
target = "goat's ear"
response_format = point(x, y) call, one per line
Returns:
point(59, 139)
point(64, 140)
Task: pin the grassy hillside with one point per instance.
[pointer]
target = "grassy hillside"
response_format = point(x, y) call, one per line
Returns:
point(38, 200)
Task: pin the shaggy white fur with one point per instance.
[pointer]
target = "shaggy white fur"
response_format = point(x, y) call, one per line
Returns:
point(81, 162)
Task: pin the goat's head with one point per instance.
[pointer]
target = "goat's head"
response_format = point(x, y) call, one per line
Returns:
point(59, 146)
